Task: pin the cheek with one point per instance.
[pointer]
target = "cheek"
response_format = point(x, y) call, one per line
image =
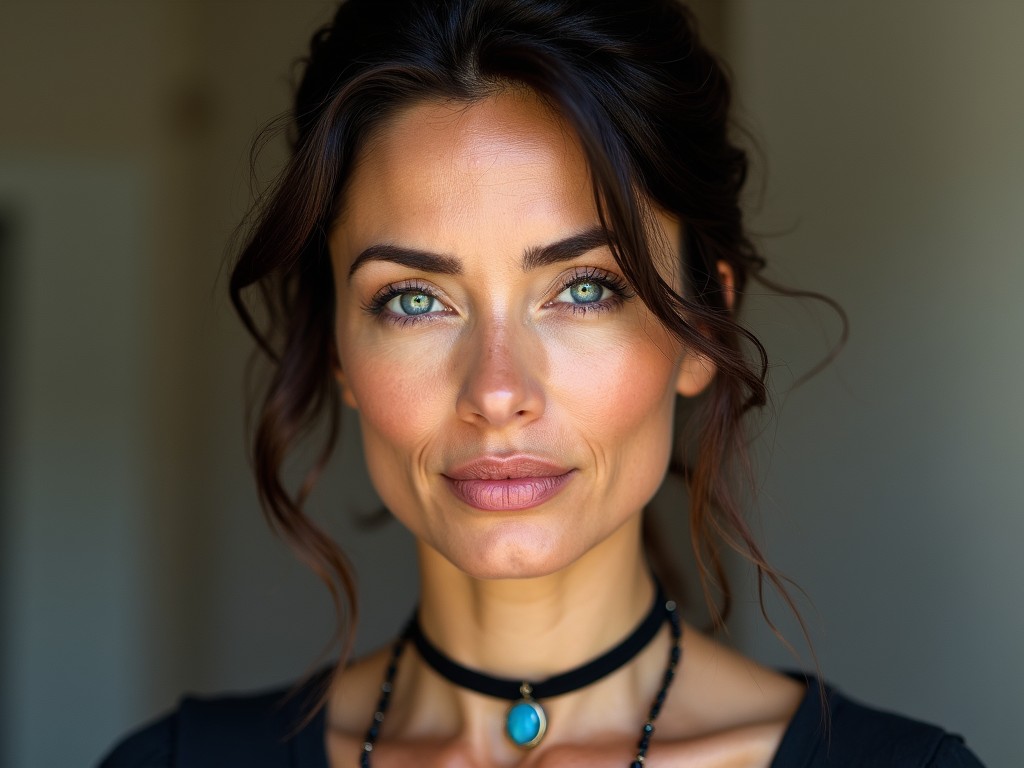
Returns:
point(615, 383)
point(401, 397)
point(398, 394)
point(621, 398)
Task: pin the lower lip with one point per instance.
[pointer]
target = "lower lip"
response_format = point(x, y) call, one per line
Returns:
point(508, 495)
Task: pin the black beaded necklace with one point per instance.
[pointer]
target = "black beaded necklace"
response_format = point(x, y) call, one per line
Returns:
point(526, 721)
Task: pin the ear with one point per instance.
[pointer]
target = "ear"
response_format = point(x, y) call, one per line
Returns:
point(727, 279)
point(347, 396)
point(696, 371)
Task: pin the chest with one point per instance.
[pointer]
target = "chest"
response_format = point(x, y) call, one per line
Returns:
point(752, 747)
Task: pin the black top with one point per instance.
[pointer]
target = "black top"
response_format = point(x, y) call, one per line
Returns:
point(260, 732)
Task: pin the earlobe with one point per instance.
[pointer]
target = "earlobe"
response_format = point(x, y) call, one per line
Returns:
point(347, 396)
point(727, 279)
point(696, 372)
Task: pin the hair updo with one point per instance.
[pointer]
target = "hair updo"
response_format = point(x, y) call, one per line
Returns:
point(650, 107)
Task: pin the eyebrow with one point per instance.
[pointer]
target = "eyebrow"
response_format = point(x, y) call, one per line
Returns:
point(565, 250)
point(541, 256)
point(408, 257)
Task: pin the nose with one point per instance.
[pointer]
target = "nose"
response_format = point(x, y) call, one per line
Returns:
point(502, 381)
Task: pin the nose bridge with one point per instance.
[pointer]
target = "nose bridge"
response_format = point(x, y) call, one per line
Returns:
point(501, 382)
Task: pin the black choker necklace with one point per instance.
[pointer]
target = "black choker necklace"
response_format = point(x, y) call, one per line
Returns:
point(526, 721)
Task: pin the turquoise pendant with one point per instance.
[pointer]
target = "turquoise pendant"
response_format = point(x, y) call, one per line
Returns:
point(526, 721)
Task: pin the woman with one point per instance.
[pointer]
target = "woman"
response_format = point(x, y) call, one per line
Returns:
point(509, 238)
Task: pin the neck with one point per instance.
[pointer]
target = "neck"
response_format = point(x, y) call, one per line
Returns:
point(531, 629)
point(534, 628)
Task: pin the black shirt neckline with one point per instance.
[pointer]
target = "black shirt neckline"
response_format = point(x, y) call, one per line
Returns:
point(797, 747)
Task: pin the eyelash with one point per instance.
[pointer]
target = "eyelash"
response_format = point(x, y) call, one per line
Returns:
point(619, 289)
point(377, 306)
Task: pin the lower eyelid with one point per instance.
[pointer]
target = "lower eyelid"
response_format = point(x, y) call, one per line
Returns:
point(604, 305)
point(392, 318)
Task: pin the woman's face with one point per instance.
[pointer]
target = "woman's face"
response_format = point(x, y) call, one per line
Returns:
point(515, 398)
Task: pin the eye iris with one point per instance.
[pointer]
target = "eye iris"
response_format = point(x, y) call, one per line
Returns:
point(585, 292)
point(415, 303)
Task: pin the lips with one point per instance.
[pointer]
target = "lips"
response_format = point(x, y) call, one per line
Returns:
point(507, 483)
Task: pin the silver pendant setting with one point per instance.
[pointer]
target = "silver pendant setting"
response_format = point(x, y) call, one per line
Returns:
point(526, 721)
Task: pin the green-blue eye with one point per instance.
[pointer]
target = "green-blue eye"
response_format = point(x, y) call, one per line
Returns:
point(586, 292)
point(413, 303)
point(583, 292)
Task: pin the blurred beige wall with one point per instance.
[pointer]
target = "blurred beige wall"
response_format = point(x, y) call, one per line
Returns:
point(135, 565)
point(131, 536)
point(894, 138)
point(96, 183)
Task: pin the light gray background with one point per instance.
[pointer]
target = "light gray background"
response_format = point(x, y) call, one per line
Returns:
point(134, 563)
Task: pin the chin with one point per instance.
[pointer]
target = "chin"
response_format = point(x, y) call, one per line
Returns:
point(513, 550)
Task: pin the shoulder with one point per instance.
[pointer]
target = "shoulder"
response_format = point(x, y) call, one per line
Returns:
point(151, 746)
point(270, 729)
point(845, 732)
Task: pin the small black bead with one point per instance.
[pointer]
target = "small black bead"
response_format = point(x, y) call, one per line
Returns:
point(648, 728)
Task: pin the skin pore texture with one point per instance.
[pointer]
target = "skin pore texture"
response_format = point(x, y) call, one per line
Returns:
point(462, 337)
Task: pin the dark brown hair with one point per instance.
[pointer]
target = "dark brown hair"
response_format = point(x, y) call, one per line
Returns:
point(650, 106)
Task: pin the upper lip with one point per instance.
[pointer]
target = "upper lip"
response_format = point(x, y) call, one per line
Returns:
point(506, 468)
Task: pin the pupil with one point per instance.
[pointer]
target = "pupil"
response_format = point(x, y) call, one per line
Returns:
point(415, 303)
point(585, 292)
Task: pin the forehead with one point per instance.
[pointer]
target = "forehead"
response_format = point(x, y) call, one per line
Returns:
point(443, 174)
